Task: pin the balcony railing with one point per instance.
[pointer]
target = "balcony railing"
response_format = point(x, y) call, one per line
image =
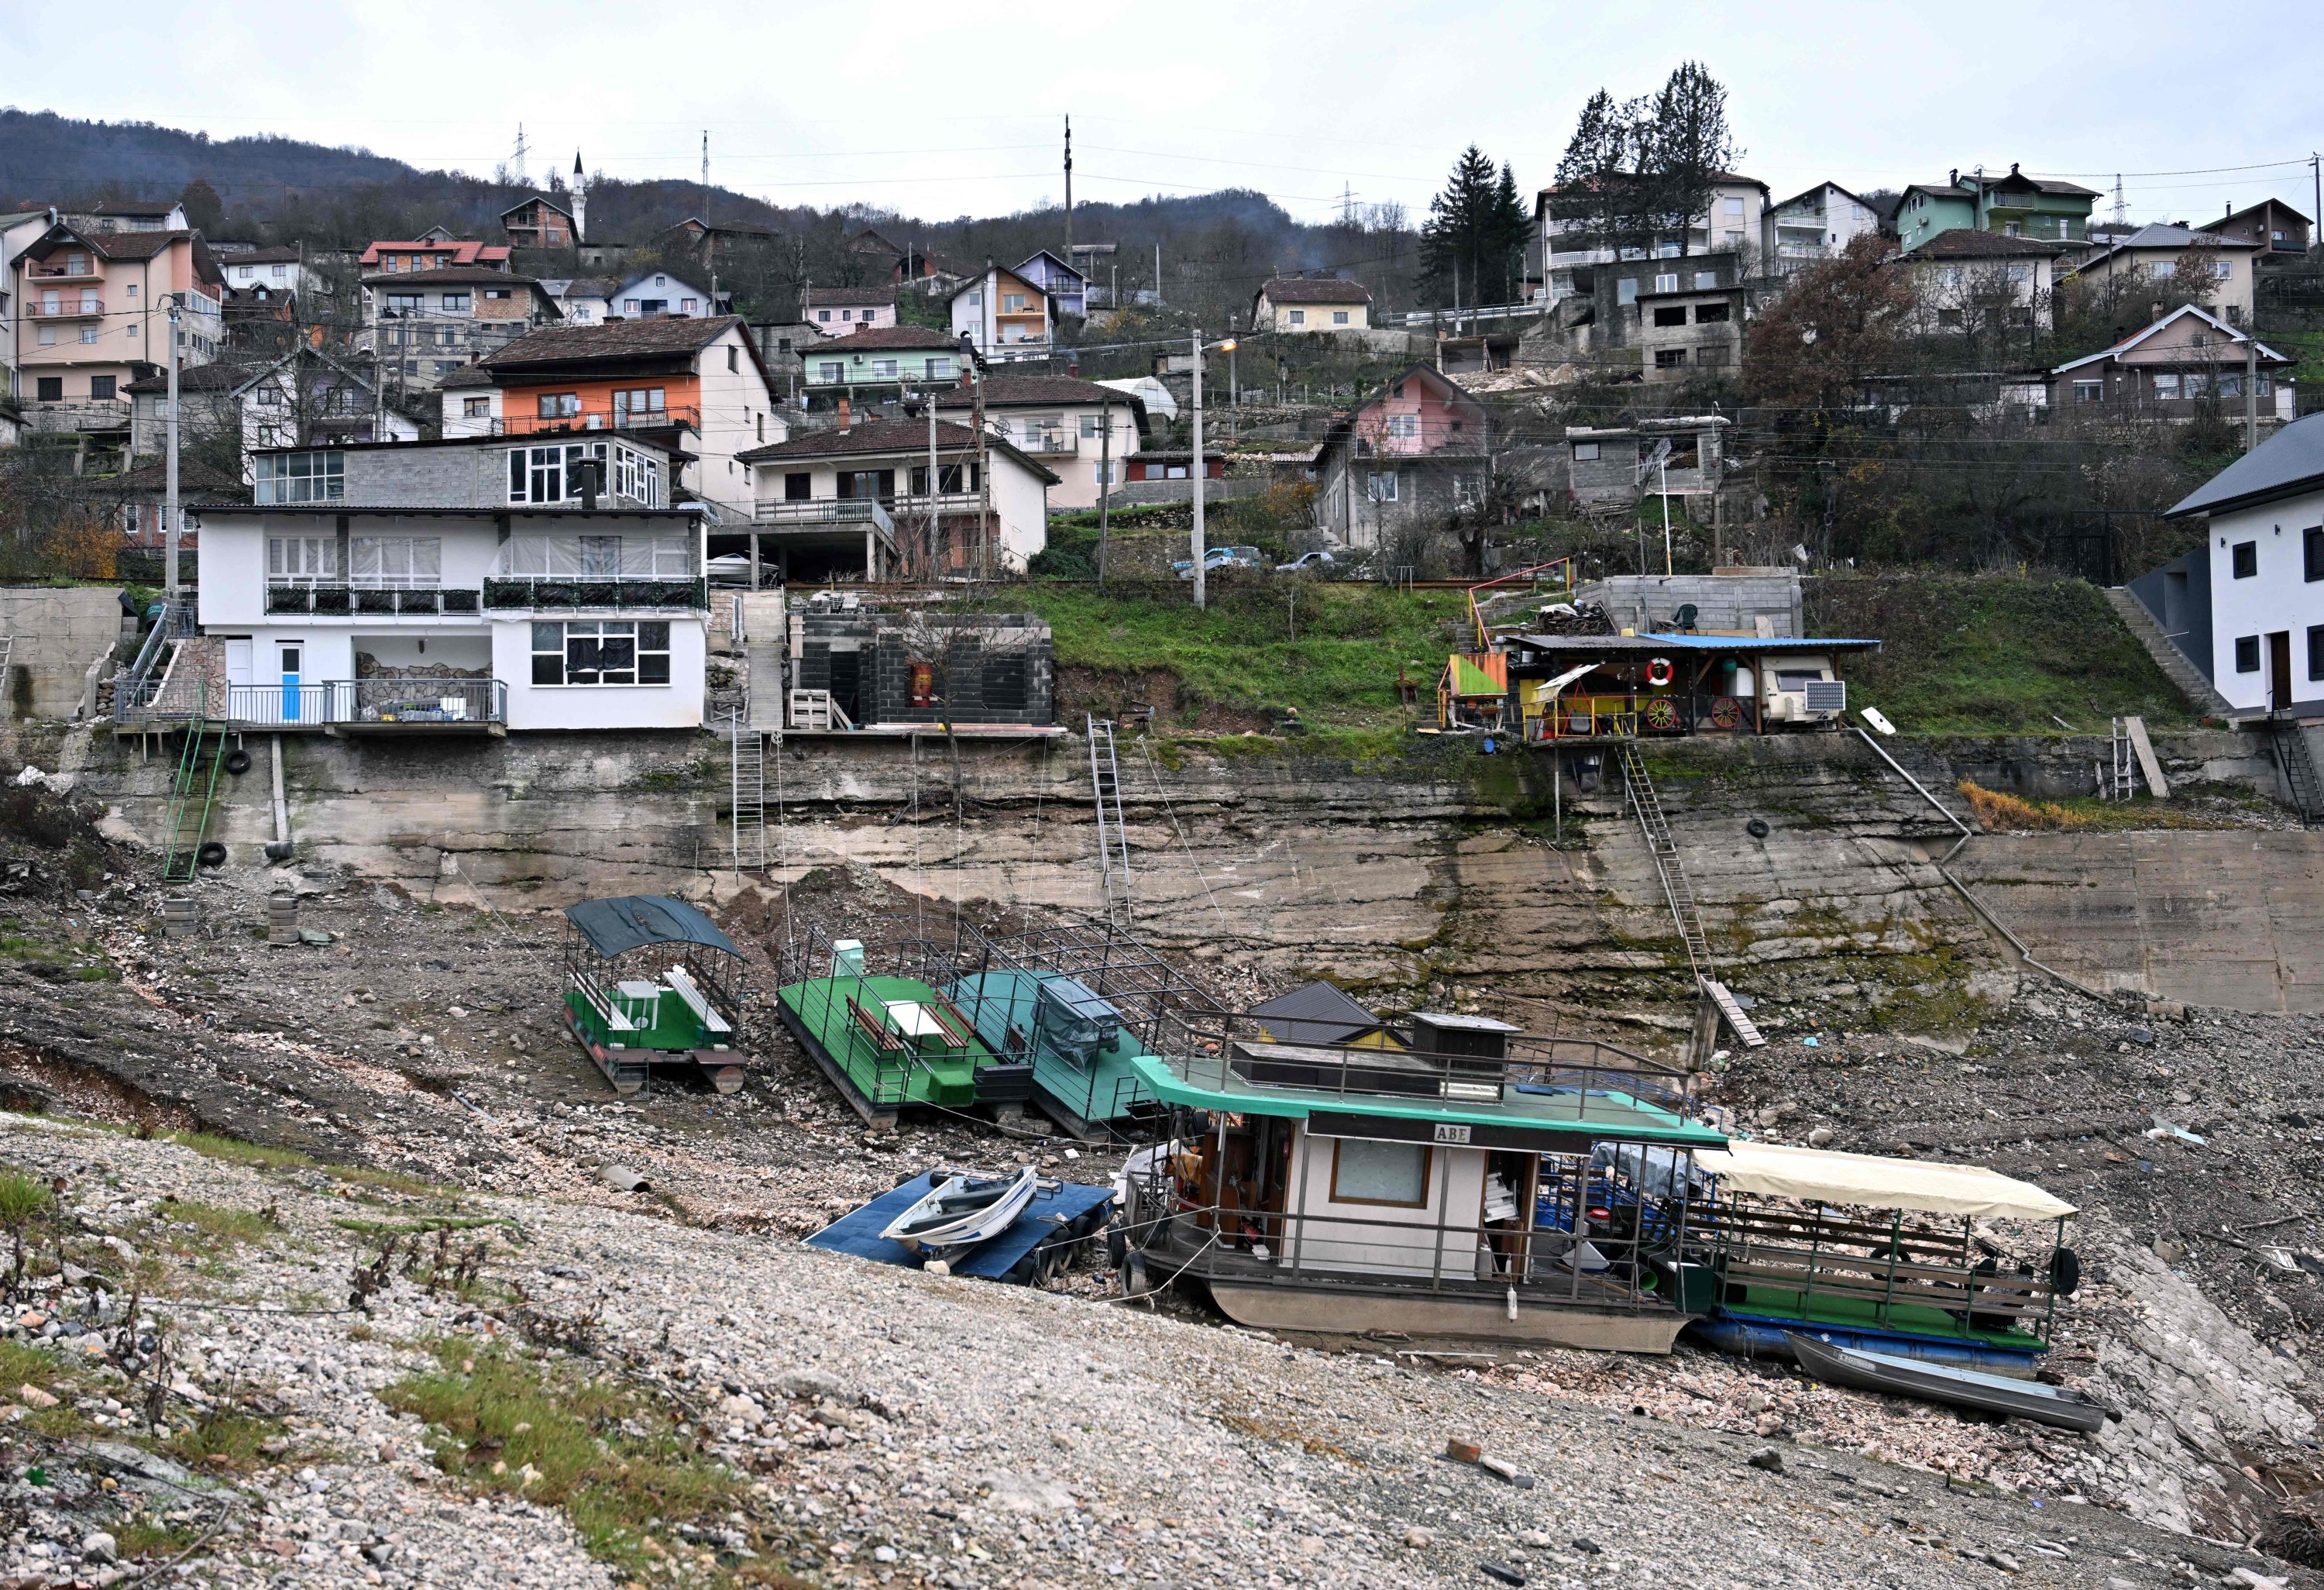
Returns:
point(599, 420)
point(827, 511)
point(1048, 444)
point(335, 600)
point(80, 308)
point(419, 702)
point(568, 596)
point(87, 272)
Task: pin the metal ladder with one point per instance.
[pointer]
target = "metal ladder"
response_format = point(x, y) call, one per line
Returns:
point(749, 806)
point(2300, 774)
point(1654, 825)
point(191, 796)
point(1105, 789)
point(2122, 783)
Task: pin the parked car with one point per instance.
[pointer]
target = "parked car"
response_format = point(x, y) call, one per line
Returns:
point(1330, 565)
point(1217, 557)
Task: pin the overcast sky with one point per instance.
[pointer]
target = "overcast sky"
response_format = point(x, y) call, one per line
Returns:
point(942, 110)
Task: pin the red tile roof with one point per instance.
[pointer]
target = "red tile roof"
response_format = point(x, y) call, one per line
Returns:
point(464, 251)
point(1315, 289)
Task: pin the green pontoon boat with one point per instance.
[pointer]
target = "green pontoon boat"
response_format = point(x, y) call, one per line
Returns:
point(650, 980)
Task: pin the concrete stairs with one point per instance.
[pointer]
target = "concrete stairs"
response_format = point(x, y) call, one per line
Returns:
point(766, 642)
point(2171, 660)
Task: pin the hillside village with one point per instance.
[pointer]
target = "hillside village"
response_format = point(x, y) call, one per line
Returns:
point(700, 894)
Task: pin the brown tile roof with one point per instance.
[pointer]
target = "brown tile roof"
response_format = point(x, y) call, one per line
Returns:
point(1002, 392)
point(1315, 289)
point(889, 338)
point(261, 256)
point(448, 276)
point(871, 438)
point(1967, 243)
point(616, 339)
point(848, 298)
point(134, 246)
point(468, 375)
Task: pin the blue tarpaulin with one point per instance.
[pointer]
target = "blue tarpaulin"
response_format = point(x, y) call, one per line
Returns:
point(1069, 1208)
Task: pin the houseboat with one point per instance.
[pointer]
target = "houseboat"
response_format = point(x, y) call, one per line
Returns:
point(1397, 1179)
point(648, 981)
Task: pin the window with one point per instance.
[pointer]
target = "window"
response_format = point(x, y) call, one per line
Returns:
point(88, 334)
point(823, 315)
point(1403, 427)
point(278, 272)
point(561, 405)
point(302, 559)
point(2166, 384)
point(2164, 269)
point(1299, 317)
point(2198, 384)
point(686, 306)
point(1339, 316)
point(133, 290)
point(1671, 317)
point(1013, 303)
point(940, 369)
point(269, 396)
point(456, 302)
point(2245, 559)
point(476, 408)
point(47, 338)
point(1394, 1173)
point(404, 303)
point(1585, 452)
point(831, 370)
point(301, 478)
point(1667, 283)
point(638, 476)
point(615, 652)
point(2223, 269)
point(101, 386)
point(1091, 425)
point(1669, 358)
point(2089, 392)
point(2247, 653)
point(2311, 553)
point(950, 479)
point(1734, 208)
point(1710, 356)
point(883, 369)
point(1626, 291)
point(640, 400)
point(1706, 281)
point(798, 486)
point(734, 359)
point(1380, 486)
point(395, 562)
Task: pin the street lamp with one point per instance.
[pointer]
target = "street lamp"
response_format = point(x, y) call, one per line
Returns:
point(1198, 473)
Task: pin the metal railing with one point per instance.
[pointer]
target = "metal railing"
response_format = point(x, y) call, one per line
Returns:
point(330, 600)
point(823, 510)
point(562, 594)
point(83, 307)
point(1049, 443)
point(413, 701)
point(599, 420)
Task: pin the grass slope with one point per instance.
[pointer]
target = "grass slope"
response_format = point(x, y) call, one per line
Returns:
point(1984, 654)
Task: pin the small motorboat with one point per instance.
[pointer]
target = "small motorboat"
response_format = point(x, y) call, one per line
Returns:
point(960, 1211)
point(1958, 1388)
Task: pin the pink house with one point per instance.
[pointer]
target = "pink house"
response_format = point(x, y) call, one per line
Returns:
point(96, 316)
point(1419, 412)
point(842, 311)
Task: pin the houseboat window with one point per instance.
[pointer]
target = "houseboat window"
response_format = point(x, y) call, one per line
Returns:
point(610, 652)
point(2247, 653)
point(301, 478)
point(2245, 560)
point(395, 562)
point(1393, 1173)
point(302, 559)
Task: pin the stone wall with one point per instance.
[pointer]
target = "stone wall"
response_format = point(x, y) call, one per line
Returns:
point(57, 633)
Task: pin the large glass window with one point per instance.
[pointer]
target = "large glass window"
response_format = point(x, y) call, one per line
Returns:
point(1393, 1173)
point(302, 559)
point(553, 473)
point(611, 651)
point(395, 562)
point(301, 478)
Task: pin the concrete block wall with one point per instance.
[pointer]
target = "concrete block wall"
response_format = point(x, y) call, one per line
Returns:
point(1721, 600)
point(57, 633)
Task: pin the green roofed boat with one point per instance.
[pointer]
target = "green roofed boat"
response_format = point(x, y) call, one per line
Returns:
point(648, 981)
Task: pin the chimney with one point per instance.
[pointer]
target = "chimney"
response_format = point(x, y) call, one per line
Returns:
point(1074, 369)
point(1953, 178)
point(843, 417)
point(2013, 168)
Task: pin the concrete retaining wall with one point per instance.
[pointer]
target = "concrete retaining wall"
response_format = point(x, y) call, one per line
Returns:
point(57, 633)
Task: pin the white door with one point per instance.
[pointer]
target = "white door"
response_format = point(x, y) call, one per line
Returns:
point(239, 662)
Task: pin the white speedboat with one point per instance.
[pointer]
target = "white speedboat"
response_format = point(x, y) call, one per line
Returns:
point(961, 1211)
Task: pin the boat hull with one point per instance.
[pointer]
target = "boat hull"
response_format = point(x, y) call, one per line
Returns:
point(1347, 1312)
point(1981, 1394)
point(1769, 1337)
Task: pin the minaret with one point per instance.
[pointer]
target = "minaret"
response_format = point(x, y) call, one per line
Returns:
point(580, 202)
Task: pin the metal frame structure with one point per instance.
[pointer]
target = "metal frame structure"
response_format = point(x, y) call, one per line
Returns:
point(720, 974)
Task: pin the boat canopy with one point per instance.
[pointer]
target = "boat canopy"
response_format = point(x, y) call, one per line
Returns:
point(625, 922)
point(1876, 1181)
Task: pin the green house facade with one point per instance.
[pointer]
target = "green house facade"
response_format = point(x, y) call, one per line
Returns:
point(881, 358)
point(2014, 206)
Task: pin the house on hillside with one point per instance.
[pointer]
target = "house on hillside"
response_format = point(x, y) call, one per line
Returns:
point(305, 398)
point(438, 250)
point(92, 316)
point(878, 362)
point(1817, 225)
point(709, 241)
point(1413, 455)
point(18, 228)
point(1085, 433)
point(1067, 288)
point(695, 387)
point(474, 586)
point(858, 501)
point(2187, 362)
point(1311, 303)
point(2011, 206)
point(278, 270)
point(1006, 315)
point(1965, 279)
point(2246, 608)
point(582, 300)
point(838, 311)
point(423, 325)
point(2271, 227)
point(1567, 246)
point(540, 221)
point(130, 215)
point(1669, 307)
point(1604, 462)
point(2166, 253)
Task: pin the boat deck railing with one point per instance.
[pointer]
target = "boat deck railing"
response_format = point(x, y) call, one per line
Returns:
point(1602, 1267)
point(862, 1030)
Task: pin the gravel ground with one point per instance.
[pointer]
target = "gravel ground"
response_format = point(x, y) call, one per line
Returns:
point(903, 1429)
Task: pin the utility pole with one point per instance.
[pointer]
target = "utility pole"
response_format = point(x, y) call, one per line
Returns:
point(1105, 486)
point(1157, 273)
point(1198, 472)
point(2251, 392)
point(936, 478)
point(705, 180)
point(169, 488)
point(1069, 191)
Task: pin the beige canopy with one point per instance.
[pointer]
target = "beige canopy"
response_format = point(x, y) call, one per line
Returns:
point(1819, 1175)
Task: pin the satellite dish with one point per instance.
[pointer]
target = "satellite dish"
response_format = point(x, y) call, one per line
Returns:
point(1872, 716)
point(1800, 553)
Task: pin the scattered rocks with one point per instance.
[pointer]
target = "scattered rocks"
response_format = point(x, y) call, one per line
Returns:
point(1767, 1458)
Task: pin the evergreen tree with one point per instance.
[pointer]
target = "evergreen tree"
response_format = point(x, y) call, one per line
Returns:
point(1683, 147)
point(205, 212)
point(1471, 248)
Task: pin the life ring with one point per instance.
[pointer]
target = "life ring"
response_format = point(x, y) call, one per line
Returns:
point(1659, 672)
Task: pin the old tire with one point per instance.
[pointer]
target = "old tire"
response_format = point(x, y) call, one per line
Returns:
point(1757, 828)
point(238, 762)
point(211, 854)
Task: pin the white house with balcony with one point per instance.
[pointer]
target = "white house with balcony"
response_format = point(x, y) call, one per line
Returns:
point(471, 586)
point(1737, 218)
point(1817, 225)
point(882, 498)
point(1084, 433)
